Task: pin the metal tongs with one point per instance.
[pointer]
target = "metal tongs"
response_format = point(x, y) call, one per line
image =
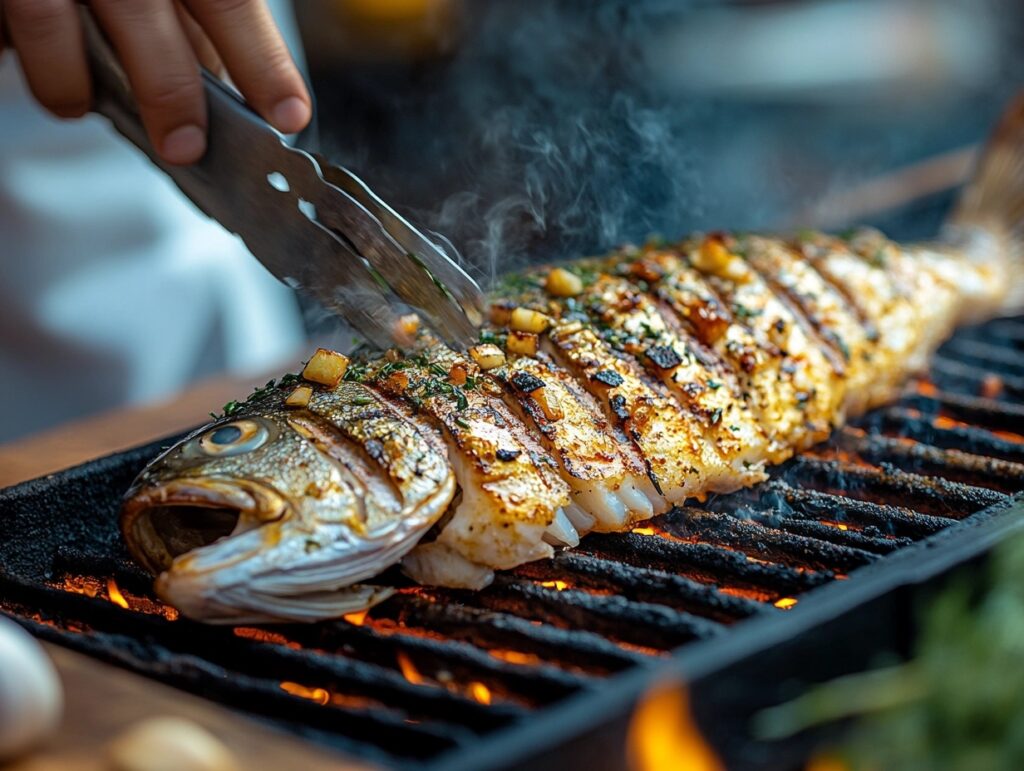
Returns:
point(315, 226)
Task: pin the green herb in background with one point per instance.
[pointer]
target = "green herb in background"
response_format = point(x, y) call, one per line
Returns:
point(959, 704)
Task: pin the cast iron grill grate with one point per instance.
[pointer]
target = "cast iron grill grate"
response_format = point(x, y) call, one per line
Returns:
point(431, 671)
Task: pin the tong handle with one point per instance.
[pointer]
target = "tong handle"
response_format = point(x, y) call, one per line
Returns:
point(114, 100)
point(314, 227)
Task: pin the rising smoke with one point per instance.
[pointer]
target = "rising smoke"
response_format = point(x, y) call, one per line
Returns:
point(541, 138)
point(557, 128)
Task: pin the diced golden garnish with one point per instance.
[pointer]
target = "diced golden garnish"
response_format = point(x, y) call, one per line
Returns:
point(549, 404)
point(524, 343)
point(487, 356)
point(562, 283)
point(397, 382)
point(500, 313)
point(326, 367)
point(526, 320)
point(299, 397)
point(713, 257)
point(457, 374)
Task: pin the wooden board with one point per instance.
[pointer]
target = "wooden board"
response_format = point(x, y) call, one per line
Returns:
point(102, 701)
point(82, 440)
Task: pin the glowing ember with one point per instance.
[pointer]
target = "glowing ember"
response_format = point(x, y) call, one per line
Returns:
point(842, 527)
point(358, 618)
point(516, 657)
point(319, 695)
point(926, 389)
point(559, 585)
point(480, 692)
point(991, 386)
point(90, 587)
point(409, 672)
point(115, 594)
point(785, 603)
point(262, 635)
point(664, 737)
point(643, 530)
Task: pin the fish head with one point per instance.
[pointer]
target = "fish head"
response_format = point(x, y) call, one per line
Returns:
point(248, 520)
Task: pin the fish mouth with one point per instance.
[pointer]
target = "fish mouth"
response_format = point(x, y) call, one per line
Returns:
point(210, 542)
point(165, 521)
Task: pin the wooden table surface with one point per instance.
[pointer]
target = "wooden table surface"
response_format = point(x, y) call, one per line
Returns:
point(91, 437)
point(102, 701)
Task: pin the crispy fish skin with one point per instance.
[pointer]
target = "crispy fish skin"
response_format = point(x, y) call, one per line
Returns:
point(607, 487)
point(511, 491)
point(774, 380)
point(635, 325)
point(612, 389)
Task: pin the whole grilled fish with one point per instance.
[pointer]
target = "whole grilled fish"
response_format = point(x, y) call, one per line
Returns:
point(603, 393)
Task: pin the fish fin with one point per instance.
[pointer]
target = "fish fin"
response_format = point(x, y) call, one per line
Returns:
point(989, 215)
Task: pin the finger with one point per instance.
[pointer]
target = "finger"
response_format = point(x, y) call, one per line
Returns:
point(48, 38)
point(247, 38)
point(201, 45)
point(163, 74)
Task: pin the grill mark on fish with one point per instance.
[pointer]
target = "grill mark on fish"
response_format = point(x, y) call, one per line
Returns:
point(506, 505)
point(409, 456)
point(637, 324)
point(824, 340)
point(677, 457)
point(578, 436)
point(371, 489)
point(814, 253)
point(825, 308)
point(774, 326)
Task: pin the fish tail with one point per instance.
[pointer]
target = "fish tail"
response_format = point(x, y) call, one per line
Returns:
point(989, 216)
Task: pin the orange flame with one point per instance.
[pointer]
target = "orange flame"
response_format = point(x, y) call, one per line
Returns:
point(643, 530)
point(785, 603)
point(559, 585)
point(319, 695)
point(409, 672)
point(358, 618)
point(480, 692)
point(115, 594)
point(663, 735)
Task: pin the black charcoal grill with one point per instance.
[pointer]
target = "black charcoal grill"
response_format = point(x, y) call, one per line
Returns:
point(749, 597)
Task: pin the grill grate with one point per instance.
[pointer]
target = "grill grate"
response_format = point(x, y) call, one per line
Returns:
point(431, 671)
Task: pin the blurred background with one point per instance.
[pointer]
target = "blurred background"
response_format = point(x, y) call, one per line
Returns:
point(525, 131)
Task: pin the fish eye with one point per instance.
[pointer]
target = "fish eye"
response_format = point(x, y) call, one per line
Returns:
point(233, 438)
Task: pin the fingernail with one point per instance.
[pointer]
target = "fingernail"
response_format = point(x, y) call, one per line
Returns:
point(290, 115)
point(184, 145)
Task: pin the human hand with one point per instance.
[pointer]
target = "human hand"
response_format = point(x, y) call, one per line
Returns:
point(161, 44)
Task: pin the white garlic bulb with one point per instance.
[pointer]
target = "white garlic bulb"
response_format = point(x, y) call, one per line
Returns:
point(169, 744)
point(31, 698)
